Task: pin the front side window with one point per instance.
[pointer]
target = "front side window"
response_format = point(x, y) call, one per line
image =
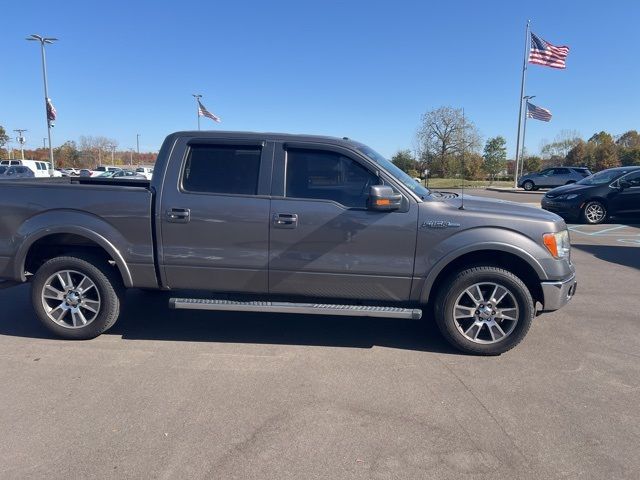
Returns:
point(632, 178)
point(324, 175)
point(222, 169)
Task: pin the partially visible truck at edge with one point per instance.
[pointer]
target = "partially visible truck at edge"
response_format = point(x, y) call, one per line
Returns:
point(283, 223)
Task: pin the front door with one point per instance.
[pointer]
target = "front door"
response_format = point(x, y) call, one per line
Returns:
point(325, 243)
point(627, 201)
point(215, 217)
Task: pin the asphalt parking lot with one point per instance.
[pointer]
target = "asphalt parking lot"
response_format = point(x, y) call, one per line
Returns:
point(177, 394)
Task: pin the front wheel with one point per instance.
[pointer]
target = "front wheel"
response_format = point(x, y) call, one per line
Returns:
point(594, 212)
point(77, 297)
point(484, 310)
point(528, 185)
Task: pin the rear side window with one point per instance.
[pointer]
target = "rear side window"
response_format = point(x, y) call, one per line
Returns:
point(561, 171)
point(222, 169)
point(326, 175)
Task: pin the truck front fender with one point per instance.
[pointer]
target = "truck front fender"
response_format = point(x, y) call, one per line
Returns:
point(481, 239)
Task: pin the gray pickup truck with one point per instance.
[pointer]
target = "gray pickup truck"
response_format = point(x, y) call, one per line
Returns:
point(283, 223)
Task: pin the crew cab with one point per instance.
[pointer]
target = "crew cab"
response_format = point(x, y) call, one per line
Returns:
point(283, 223)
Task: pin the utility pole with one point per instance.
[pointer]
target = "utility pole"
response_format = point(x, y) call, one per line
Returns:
point(44, 142)
point(138, 146)
point(43, 41)
point(197, 96)
point(21, 140)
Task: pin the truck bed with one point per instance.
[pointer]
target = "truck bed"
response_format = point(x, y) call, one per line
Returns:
point(118, 212)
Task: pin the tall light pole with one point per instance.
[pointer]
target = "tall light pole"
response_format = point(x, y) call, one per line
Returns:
point(138, 145)
point(524, 130)
point(21, 140)
point(44, 142)
point(43, 41)
point(197, 96)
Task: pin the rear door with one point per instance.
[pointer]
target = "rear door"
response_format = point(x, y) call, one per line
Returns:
point(324, 242)
point(214, 215)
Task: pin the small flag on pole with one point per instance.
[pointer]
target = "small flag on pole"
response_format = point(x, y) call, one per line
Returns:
point(543, 53)
point(51, 111)
point(203, 112)
point(538, 113)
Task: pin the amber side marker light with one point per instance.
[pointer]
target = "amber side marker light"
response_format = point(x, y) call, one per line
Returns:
point(383, 201)
point(549, 240)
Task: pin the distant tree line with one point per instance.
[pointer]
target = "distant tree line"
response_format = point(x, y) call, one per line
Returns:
point(89, 152)
point(448, 144)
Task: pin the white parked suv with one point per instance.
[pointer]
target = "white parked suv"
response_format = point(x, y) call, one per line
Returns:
point(39, 168)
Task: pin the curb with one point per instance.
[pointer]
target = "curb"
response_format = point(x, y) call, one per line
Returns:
point(512, 190)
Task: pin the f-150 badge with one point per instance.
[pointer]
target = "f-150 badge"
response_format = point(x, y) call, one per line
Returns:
point(439, 224)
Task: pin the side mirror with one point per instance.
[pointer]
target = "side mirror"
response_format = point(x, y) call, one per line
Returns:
point(624, 184)
point(382, 198)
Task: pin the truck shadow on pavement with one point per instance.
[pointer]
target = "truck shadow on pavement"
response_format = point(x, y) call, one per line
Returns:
point(621, 255)
point(146, 316)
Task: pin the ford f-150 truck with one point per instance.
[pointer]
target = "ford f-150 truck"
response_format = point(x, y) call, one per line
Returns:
point(283, 223)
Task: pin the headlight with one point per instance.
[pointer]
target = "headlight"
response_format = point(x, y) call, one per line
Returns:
point(567, 196)
point(558, 244)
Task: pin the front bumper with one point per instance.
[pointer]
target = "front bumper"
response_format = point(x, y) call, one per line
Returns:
point(566, 209)
point(557, 294)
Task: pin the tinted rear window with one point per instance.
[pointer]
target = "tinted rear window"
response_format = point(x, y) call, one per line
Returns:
point(222, 169)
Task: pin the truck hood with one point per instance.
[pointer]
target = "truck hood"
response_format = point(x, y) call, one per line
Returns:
point(501, 208)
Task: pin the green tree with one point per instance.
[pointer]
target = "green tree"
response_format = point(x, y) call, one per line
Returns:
point(578, 155)
point(495, 156)
point(4, 138)
point(404, 160)
point(67, 155)
point(474, 167)
point(630, 139)
point(630, 156)
point(532, 164)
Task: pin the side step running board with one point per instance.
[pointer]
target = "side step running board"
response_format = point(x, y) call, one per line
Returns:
point(302, 308)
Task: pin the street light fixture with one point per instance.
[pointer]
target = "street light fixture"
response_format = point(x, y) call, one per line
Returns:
point(45, 41)
point(21, 140)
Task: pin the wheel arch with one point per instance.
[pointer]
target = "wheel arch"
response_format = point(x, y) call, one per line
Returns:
point(512, 259)
point(48, 242)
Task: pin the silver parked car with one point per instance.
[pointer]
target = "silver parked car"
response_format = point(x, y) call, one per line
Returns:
point(553, 177)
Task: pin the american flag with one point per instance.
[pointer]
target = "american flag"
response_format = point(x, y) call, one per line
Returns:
point(203, 112)
point(543, 53)
point(538, 113)
point(51, 111)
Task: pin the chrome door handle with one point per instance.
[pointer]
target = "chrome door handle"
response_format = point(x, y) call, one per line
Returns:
point(285, 220)
point(178, 215)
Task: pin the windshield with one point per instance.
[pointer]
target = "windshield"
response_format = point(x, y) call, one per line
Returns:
point(602, 177)
point(400, 175)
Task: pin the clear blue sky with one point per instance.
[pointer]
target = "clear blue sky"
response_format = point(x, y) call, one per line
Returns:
point(362, 69)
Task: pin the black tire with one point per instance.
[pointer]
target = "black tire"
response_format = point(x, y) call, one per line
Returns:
point(456, 285)
point(528, 185)
point(107, 282)
point(588, 216)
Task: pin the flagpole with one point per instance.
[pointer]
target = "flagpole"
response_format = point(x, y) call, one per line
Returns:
point(197, 97)
point(524, 130)
point(522, 84)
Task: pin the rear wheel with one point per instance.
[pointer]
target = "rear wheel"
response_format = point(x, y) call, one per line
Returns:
point(484, 310)
point(528, 185)
point(77, 297)
point(594, 212)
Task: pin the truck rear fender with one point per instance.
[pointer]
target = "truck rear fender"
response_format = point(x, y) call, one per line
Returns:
point(55, 222)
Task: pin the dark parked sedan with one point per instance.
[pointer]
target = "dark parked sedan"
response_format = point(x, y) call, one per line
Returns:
point(15, 171)
point(612, 192)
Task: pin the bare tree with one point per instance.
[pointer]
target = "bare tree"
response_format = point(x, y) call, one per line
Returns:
point(97, 147)
point(443, 135)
